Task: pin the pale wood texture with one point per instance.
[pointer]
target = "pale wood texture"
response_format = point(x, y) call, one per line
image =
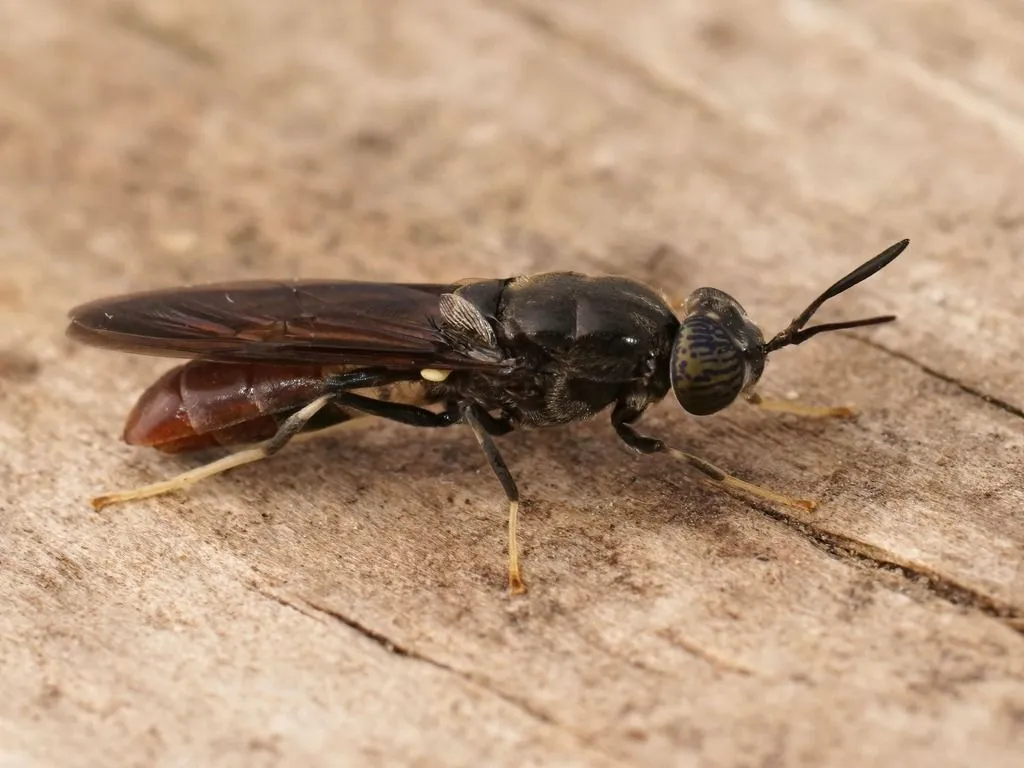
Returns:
point(344, 603)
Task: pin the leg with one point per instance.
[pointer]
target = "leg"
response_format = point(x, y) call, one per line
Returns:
point(471, 416)
point(484, 425)
point(622, 418)
point(412, 415)
point(799, 409)
point(421, 417)
point(496, 426)
point(288, 431)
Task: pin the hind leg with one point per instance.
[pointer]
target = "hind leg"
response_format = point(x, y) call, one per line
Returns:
point(287, 433)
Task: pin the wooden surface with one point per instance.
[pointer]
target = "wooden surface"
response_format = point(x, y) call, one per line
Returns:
point(344, 604)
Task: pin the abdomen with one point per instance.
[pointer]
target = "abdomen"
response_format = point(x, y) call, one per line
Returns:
point(205, 404)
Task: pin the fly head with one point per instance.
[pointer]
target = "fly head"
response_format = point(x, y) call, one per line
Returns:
point(719, 353)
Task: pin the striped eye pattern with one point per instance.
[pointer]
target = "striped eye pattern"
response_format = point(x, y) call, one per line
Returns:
point(708, 369)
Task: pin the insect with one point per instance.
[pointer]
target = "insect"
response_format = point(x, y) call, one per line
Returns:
point(271, 363)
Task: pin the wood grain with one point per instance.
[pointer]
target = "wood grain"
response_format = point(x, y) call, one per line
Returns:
point(343, 604)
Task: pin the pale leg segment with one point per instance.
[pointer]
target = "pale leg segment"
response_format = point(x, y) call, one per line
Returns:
point(289, 432)
point(508, 483)
point(622, 420)
point(801, 409)
point(729, 482)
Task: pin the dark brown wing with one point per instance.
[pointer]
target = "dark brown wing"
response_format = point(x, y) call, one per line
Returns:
point(345, 322)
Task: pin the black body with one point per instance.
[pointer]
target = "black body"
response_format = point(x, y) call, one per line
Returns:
point(492, 354)
point(570, 345)
point(532, 351)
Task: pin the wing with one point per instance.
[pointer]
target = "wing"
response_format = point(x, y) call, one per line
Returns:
point(345, 322)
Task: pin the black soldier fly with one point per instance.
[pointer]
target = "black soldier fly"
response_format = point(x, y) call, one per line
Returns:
point(272, 362)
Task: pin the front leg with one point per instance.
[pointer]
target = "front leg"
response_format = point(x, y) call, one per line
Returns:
point(623, 417)
point(800, 409)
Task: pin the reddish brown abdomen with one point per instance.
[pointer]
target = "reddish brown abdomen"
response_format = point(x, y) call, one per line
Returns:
point(204, 404)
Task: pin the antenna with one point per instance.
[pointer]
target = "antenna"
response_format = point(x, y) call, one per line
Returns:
point(795, 333)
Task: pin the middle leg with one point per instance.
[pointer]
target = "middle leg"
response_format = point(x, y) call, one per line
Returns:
point(479, 421)
point(484, 425)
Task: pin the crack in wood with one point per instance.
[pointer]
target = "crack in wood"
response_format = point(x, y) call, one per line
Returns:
point(945, 588)
point(988, 399)
point(718, 663)
point(311, 610)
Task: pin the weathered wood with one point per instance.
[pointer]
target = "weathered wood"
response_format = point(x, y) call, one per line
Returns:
point(343, 603)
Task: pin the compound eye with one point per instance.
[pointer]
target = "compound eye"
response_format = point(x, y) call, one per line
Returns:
point(708, 370)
